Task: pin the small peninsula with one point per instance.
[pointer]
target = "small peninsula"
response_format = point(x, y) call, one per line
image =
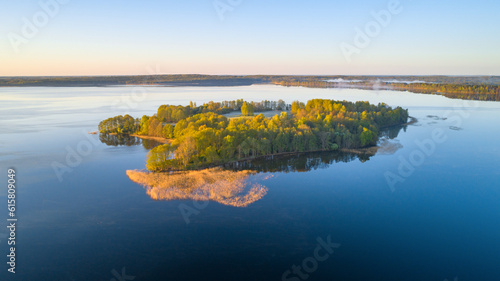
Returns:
point(203, 137)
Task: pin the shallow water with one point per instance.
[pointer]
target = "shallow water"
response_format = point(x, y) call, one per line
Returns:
point(439, 221)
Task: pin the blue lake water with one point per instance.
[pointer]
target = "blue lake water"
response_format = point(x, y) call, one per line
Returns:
point(436, 218)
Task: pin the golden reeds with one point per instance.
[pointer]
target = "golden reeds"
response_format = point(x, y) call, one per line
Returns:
point(232, 188)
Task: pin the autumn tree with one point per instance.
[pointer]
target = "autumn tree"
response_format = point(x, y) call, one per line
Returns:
point(185, 152)
point(247, 109)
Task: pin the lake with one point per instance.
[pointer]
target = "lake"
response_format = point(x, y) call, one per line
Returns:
point(425, 208)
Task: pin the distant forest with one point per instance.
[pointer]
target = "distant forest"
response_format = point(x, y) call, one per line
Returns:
point(459, 88)
point(486, 88)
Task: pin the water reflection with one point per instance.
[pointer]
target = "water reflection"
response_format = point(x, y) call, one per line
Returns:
point(301, 162)
point(393, 131)
point(125, 140)
point(388, 144)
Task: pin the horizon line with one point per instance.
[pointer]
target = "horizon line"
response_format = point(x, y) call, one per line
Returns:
point(246, 75)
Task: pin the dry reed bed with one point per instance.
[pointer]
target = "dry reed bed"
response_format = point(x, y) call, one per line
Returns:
point(231, 188)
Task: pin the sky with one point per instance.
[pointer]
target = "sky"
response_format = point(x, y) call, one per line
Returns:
point(243, 37)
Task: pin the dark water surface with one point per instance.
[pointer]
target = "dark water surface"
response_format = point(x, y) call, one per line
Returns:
point(436, 218)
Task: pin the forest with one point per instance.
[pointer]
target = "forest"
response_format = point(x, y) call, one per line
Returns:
point(468, 91)
point(202, 137)
point(485, 88)
point(101, 81)
point(455, 91)
point(161, 123)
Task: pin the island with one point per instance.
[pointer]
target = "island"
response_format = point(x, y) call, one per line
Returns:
point(216, 133)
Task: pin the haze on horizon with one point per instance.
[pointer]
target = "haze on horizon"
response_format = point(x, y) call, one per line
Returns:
point(69, 37)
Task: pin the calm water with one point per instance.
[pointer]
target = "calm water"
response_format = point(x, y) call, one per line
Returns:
point(440, 220)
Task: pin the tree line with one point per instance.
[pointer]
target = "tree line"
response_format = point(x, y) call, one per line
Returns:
point(162, 123)
point(456, 91)
point(484, 92)
point(173, 113)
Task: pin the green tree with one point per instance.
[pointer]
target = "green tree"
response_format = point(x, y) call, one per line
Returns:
point(368, 137)
point(159, 157)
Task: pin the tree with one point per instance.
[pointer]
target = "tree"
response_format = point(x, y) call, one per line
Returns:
point(368, 137)
point(158, 158)
point(168, 131)
point(211, 155)
point(119, 125)
point(295, 107)
point(144, 125)
point(185, 152)
point(281, 105)
point(247, 109)
point(324, 137)
point(155, 127)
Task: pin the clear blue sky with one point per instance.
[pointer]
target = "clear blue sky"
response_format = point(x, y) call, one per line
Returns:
point(257, 37)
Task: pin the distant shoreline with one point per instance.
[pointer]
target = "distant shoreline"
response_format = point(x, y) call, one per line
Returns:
point(483, 88)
